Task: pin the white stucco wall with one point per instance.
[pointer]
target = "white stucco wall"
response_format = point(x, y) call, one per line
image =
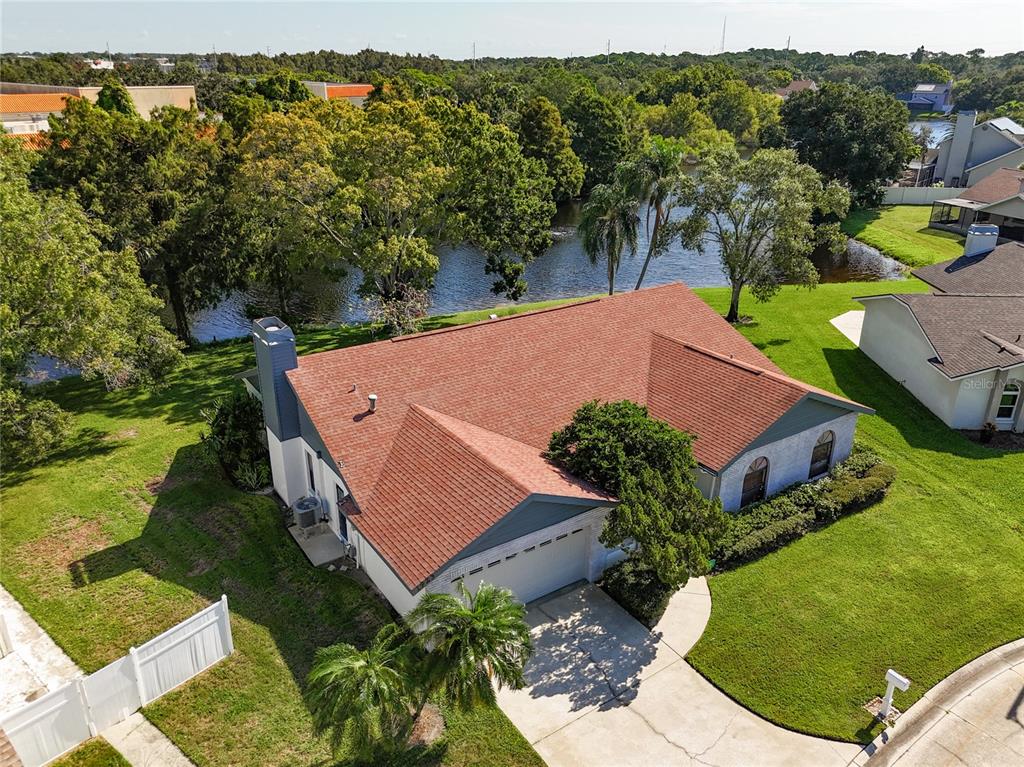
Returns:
point(287, 467)
point(789, 459)
point(892, 338)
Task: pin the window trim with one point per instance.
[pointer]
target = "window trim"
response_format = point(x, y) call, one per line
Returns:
point(763, 489)
point(311, 473)
point(1014, 390)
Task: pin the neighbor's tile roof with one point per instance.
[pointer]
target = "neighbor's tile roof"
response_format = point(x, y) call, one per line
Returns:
point(970, 333)
point(795, 87)
point(1000, 272)
point(32, 103)
point(33, 141)
point(464, 413)
point(352, 90)
point(1003, 183)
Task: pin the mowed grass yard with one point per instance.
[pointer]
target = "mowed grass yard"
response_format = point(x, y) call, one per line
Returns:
point(923, 582)
point(132, 528)
point(901, 232)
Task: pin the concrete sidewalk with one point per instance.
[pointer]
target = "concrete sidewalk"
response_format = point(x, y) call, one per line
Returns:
point(37, 665)
point(972, 718)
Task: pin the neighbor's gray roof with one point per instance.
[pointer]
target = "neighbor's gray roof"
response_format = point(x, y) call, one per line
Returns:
point(970, 333)
point(999, 272)
point(1000, 185)
point(1006, 124)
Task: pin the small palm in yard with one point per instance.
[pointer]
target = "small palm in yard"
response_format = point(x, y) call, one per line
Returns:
point(608, 225)
point(473, 641)
point(362, 698)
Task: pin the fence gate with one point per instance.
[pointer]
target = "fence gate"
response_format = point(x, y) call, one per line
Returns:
point(60, 720)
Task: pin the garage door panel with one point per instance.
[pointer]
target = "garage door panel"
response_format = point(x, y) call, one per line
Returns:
point(538, 570)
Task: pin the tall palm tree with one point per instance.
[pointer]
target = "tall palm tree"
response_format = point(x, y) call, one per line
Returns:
point(362, 696)
point(473, 641)
point(654, 179)
point(608, 224)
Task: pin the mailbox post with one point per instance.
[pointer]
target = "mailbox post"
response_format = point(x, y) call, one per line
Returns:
point(893, 680)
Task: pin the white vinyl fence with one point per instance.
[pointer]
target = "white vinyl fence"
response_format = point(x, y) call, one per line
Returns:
point(919, 195)
point(60, 720)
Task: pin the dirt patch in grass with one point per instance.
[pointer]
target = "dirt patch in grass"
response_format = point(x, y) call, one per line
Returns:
point(67, 543)
point(121, 435)
point(157, 485)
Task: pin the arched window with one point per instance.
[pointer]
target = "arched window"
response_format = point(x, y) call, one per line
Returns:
point(755, 482)
point(821, 456)
point(1008, 402)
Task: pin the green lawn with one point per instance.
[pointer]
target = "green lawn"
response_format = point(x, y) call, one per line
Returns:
point(131, 529)
point(901, 232)
point(923, 582)
point(93, 753)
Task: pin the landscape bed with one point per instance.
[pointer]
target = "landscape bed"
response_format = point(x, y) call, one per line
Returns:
point(132, 528)
point(901, 232)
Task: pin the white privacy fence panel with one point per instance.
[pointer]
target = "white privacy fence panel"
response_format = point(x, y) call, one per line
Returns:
point(57, 722)
point(112, 694)
point(179, 654)
point(919, 195)
point(49, 726)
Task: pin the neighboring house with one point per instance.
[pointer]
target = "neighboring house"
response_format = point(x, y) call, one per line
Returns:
point(427, 451)
point(929, 97)
point(99, 63)
point(971, 151)
point(997, 199)
point(354, 93)
point(960, 349)
point(795, 87)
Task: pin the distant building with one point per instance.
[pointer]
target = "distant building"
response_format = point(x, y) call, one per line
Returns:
point(972, 151)
point(26, 108)
point(99, 63)
point(796, 87)
point(354, 93)
point(929, 97)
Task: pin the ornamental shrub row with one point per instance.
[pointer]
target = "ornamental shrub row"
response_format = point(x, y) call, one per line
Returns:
point(639, 590)
point(859, 481)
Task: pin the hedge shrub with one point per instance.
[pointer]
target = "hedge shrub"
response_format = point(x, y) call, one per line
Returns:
point(235, 439)
point(859, 481)
point(638, 589)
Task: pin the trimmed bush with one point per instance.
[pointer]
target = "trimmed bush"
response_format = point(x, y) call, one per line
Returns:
point(638, 589)
point(859, 481)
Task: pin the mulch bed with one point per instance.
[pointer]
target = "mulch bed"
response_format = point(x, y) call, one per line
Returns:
point(1001, 440)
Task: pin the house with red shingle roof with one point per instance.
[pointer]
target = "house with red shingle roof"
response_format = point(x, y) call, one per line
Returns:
point(353, 93)
point(426, 452)
point(959, 349)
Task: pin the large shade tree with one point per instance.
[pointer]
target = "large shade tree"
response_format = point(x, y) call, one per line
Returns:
point(150, 184)
point(64, 296)
point(764, 216)
point(857, 137)
point(544, 137)
point(599, 135)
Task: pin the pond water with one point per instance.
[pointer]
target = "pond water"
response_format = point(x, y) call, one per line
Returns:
point(940, 129)
point(564, 271)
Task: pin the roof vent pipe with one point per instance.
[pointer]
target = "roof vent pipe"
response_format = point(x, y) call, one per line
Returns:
point(373, 403)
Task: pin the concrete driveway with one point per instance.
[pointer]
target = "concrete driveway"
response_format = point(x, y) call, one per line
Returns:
point(603, 690)
point(973, 718)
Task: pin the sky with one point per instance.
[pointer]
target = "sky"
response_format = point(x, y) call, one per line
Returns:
point(509, 29)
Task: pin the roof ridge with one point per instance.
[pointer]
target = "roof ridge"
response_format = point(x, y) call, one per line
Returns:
point(425, 412)
point(1004, 345)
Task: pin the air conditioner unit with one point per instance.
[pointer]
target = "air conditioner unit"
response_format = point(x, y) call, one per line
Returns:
point(307, 511)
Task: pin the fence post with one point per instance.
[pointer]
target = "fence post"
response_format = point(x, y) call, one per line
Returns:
point(86, 709)
point(229, 642)
point(140, 684)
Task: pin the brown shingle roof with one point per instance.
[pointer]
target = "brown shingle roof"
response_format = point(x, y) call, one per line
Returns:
point(970, 333)
point(999, 272)
point(1003, 183)
point(464, 413)
point(32, 103)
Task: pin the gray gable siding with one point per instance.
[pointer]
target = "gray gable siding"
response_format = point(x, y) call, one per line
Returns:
point(275, 354)
point(535, 513)
point(806, 414)
point(312, 437)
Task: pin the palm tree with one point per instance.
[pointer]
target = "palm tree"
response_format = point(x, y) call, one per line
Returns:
point(608, 224)
point(472, 641)
point(362, 696)
point(655, 178)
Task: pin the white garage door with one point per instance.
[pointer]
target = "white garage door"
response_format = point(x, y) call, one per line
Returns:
point(540, 569)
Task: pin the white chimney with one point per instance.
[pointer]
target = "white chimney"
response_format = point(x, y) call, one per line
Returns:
point(981, 239)
point(373, 403)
